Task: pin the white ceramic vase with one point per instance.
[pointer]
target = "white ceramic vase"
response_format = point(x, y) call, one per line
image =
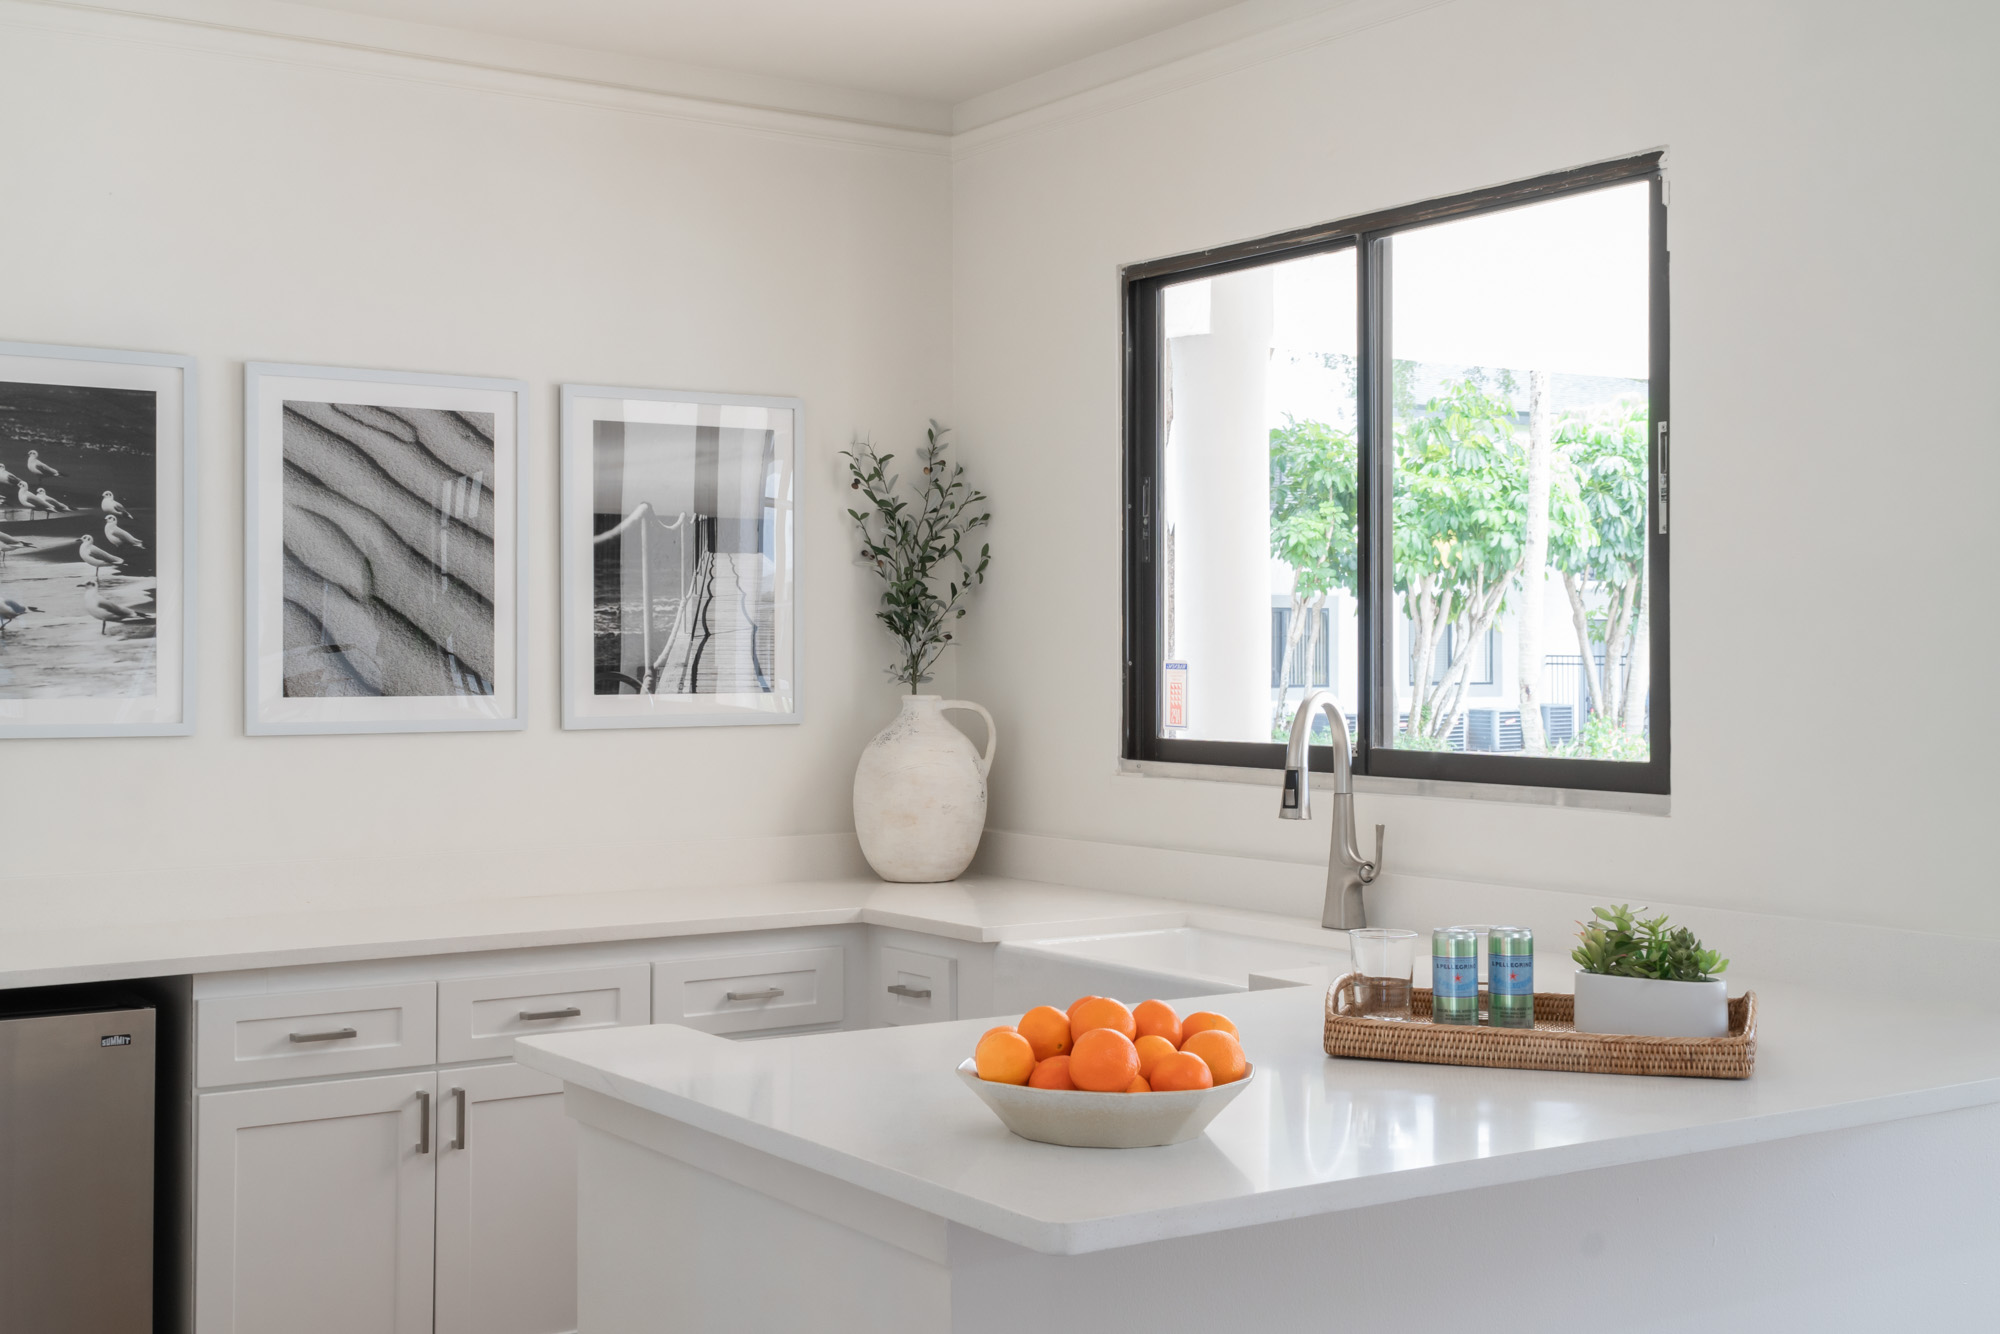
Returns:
point(1647, 1008)
point(920, 793)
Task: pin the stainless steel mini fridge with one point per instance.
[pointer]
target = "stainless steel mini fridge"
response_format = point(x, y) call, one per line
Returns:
point(76, 1172)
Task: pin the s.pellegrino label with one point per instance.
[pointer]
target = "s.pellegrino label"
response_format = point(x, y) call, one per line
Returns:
point(1454, 978)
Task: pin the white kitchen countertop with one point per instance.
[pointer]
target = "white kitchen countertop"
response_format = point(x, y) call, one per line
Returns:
point(883, 1109)
point(975, 909)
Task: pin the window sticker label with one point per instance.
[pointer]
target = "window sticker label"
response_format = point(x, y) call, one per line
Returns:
point(1174, 694)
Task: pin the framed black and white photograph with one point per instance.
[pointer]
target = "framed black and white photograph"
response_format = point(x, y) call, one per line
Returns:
point(97, 542)
point(385, 560)
point(679, 571)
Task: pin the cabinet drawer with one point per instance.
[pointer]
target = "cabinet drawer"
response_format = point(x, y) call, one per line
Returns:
point(306, 1034)
point(913, 988)
point(743, 993)
point(479, 1017)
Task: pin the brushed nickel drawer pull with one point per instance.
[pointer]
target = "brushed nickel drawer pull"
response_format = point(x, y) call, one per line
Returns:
point(570, 1013)
point(910, 993)
point(459, 1094)
point(768, 993)
point(423, 1121)
point(332, 1035)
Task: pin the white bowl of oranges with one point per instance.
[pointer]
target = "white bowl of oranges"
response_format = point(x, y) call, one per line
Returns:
point(1101, 1076)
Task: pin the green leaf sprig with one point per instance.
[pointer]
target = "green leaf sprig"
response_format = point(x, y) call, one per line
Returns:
point(1617, 944)
point(918, 547)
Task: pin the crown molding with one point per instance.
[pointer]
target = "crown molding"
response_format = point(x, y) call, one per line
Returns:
point(272, 30)
point(1241, 37)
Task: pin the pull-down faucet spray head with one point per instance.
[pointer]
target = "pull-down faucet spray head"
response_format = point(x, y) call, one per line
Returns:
point(1295, 803)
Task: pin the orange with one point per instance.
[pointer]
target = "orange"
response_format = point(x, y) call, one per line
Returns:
point(1221, 1050)
point(1182, 1070)
point(1004, 1057)
point(1100, 1012)
point(1073, 1006)
point(1202, 1020)
point(1047, 1030)
point(1002, 1028)
point(1157, 1017)
point(1138, 1085)
point(1151, 1048)
point(1052, 1073)
point(1103, 1061)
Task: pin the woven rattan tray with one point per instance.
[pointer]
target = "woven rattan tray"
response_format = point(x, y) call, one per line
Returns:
point(1552, 1044)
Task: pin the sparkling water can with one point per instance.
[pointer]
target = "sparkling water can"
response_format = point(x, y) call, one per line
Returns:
point(1510, 977)
point(1454, 975)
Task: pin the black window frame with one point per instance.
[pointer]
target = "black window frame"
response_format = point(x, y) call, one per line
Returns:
point(1145, 444)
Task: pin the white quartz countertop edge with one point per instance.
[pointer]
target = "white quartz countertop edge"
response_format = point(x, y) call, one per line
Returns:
point(973, 909)
point(1081, 1236)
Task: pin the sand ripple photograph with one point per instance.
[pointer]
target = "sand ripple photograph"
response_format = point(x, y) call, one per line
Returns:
point(388, 551)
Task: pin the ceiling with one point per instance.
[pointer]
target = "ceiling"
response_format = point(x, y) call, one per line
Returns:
point(937, 50)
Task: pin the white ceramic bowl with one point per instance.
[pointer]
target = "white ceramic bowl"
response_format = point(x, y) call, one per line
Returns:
point(1103, 1120)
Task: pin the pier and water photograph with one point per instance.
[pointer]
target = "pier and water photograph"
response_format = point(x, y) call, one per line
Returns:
point(678, 563)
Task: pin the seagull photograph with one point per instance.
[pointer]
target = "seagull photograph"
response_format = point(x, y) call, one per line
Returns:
point(79, 595)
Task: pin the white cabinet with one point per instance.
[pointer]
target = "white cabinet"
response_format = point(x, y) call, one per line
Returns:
point(506, 1203)
point(329, 1202)
point(315, 1208)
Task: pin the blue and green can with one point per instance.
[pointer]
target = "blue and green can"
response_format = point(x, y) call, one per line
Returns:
point(1510, 977)
point(1454, 975)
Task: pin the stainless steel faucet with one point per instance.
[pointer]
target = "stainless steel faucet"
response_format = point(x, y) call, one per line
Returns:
point(1346, 872)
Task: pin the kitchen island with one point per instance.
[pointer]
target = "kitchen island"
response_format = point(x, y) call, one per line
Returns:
point(847, 1181)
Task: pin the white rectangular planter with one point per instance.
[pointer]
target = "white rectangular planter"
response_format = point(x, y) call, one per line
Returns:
point(1648, 1008)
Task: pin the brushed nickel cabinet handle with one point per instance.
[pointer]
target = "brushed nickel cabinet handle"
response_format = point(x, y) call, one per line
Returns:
point(331, 1035)
point(532, 1015)
point(423, 1121)
point(910, 993)
point(459, 1143)
point(768, 993)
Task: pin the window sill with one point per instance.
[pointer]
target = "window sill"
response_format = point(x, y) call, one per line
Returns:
point(1629, 803)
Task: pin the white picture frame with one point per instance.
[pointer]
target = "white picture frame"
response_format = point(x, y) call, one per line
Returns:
point(687, 451)
point(394, 603)
point(104, 646)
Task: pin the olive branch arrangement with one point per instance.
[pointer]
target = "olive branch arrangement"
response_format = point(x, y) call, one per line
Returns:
point(917, 545)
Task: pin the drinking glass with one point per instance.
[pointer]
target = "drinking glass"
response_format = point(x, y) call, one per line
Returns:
point(1384, 958)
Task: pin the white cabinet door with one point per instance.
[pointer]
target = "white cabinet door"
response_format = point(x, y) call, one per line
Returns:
point(315, 1208)
point(506, 1246)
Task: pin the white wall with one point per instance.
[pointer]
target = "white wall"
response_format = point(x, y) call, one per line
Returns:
point(1834, 280)
point(190, 191)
